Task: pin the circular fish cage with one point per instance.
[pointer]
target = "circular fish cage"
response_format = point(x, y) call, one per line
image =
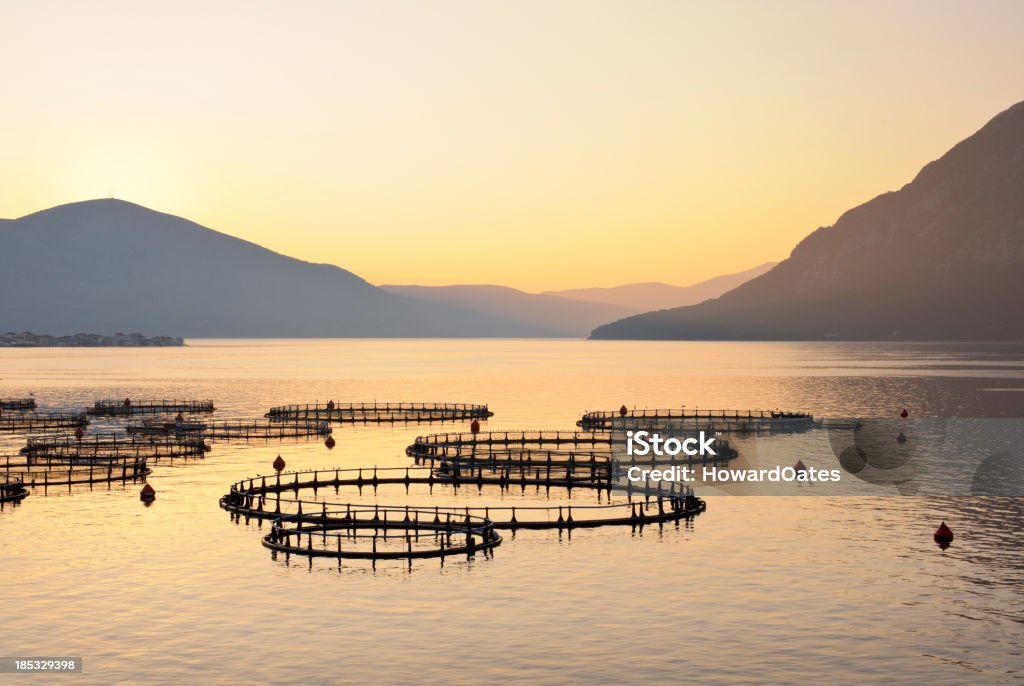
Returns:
point(738, 421)
point(53, 474)
point(381, 533)
point(42, 421)
point(233, 430)
point(265, 497)
point(379, 413)
point(12, 489)
point(107, 446)
point(554, 445)
point(131, 407)
point(458, 443)
point(17, 404)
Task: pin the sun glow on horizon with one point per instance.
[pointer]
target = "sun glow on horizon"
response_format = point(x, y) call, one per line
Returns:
point(545, 147)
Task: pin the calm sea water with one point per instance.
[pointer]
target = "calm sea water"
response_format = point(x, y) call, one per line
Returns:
point(755, 590)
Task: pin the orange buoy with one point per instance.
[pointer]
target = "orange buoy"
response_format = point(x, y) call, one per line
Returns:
point(904, 413)
point(474, 428)
point(79, 433)
point(278, 463)
point(901, 438)
point(329, 442)
point(800, 466)
point(147, 494)
point(943, 536)
point(623, 411)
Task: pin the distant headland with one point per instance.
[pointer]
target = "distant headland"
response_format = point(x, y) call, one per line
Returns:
point(27, 339)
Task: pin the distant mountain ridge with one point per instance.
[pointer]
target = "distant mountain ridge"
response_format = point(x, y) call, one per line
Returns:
point(553, 315)
point(116, 266)
point(644, 297)
point(940, 259)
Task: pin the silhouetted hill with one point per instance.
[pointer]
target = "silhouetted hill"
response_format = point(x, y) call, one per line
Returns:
point(109, 265)
point(554, 315)
point(644, 297)
point(940, 259)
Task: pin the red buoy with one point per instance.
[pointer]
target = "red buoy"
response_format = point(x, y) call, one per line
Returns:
point(943, 536)
point(800, 466)
point(79, 433)
point(904, 413)
point(278, 463)
point(329, 442)
point(180, 419)
point(330, 404)
point(474, 428)
point(147, 494)
point(127, 402)
point(623, 411)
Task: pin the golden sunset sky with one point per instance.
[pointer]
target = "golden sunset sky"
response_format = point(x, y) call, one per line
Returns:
point(539, 145)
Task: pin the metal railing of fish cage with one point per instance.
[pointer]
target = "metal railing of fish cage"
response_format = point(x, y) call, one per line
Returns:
point(46, 475)
point(42, 421)
point(261, 498)
point(130, 407)
point(712, 419)
point(380, 412)
point(457, 442)
point(380, 533)
point(17, 404)
point(112, 445)
point(237, 430)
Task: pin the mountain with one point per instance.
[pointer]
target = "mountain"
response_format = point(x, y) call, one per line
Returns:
point(940, 259)
point(551, 314)
point(644, 297)
point(110, 265)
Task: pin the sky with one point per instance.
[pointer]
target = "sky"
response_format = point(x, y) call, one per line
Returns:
point(539, 145)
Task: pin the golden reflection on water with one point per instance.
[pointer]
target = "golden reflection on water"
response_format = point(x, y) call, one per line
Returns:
point(759, 589)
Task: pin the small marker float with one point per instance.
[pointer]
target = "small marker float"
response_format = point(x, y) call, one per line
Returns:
point(943, 536)
point(147, 494)
point(278, 463)
point(330, 442)
point(904, 413)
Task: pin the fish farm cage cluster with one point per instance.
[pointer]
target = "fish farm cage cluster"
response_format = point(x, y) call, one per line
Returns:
point(335, 513)
point(343, 413)
point(60, 451)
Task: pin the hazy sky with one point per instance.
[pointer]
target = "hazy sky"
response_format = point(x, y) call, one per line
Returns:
point(533, 144)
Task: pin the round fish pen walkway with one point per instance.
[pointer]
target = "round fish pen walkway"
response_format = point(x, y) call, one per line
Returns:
point(381, 534)
point(546, 445)
point(17, 404)
point(261, 498)
point(104, 446)
point(52, 474)
point(241, 430)
point(12, 489)
point(129, 407)
point(683, 419)
point(354, 413)
point(441, 444)
point(42, 421)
